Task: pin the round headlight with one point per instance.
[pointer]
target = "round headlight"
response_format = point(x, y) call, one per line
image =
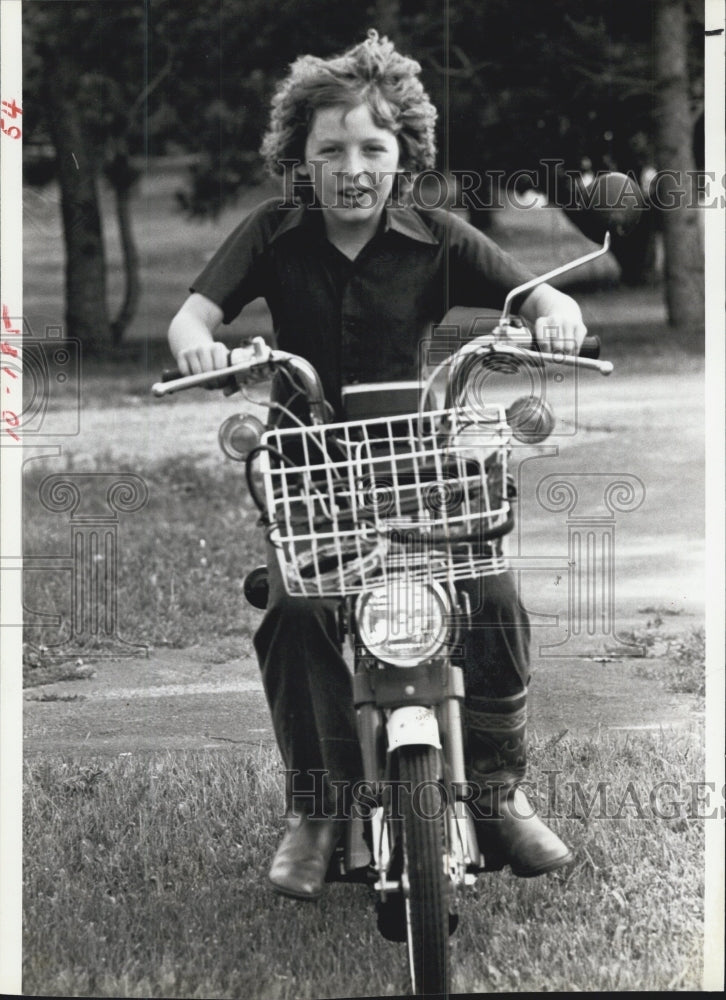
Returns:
point(531, 419)
point(404, 621)
point(239, 434)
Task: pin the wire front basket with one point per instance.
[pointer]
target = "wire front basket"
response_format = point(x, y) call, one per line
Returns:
point(351, 504)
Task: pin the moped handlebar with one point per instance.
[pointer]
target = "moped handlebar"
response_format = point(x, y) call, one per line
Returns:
point(588, 356)
point(266, 361)
point(257, 369)
point(590, 347)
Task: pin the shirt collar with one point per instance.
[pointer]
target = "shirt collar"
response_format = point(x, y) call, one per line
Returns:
point(400, 218)
point(405, 221)
point(293, 218)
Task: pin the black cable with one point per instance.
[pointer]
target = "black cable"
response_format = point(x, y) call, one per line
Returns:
point(260, 504)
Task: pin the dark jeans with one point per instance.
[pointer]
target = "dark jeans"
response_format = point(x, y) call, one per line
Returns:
point(308, 683)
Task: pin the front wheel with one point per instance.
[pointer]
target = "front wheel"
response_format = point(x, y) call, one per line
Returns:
point(425, 880)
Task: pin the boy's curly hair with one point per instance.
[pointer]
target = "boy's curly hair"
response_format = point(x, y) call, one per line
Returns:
point(371, 73)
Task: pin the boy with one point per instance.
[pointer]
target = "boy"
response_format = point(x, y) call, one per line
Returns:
point(354, 280)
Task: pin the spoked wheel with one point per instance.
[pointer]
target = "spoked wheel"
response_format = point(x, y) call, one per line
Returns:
point(426, 884)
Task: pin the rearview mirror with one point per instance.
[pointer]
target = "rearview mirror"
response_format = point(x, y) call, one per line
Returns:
point(612, 202)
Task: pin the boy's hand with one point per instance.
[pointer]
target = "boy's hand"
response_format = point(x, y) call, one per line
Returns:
point(558, 332)
point(557, 320)
point(209, 357)
point(191, 336)
point(205, 357)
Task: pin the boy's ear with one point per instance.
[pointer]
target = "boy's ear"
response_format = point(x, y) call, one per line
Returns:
point(302, 170)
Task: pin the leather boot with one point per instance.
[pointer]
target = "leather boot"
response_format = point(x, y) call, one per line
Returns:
point(508, 829)
point(302, 859)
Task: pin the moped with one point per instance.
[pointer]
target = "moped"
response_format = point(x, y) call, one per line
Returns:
point(386, 511)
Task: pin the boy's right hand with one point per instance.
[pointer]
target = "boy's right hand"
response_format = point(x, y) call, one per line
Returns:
point(209, 357)
point(205, 357)
point(191, 336)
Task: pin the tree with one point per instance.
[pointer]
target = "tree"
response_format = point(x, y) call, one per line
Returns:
point(109, 83)
point(228, 56)
point(91, 107)
point(525, 82)
point(578, 83)
point(52, 69)
point(674, 120)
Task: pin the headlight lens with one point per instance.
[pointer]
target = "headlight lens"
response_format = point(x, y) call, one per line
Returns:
point(404, 621)
point(531, 419)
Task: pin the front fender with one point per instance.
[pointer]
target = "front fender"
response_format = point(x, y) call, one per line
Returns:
point(412, 725)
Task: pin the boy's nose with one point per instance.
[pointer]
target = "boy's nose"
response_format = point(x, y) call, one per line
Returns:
point(353, 164)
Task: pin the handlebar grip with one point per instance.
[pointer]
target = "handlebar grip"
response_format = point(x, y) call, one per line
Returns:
point(590, 347)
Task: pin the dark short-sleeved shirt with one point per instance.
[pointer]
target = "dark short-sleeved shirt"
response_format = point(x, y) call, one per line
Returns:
point(359, 320)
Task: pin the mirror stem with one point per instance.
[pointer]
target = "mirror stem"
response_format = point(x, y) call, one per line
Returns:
point(504, 319)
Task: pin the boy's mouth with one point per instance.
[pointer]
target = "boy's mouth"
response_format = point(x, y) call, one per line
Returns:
point(356, 198)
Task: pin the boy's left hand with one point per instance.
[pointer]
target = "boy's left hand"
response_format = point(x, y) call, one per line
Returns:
point(557, 320)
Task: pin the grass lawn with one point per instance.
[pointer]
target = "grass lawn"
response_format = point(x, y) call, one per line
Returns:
point(180, 569)
point(145, 876)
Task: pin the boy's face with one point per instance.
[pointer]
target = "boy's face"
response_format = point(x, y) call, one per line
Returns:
point(355, 163)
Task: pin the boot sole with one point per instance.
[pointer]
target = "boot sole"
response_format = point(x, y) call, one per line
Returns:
point(295, 893)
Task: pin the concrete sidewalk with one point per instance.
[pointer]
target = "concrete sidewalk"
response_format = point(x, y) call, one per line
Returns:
point(179, 700)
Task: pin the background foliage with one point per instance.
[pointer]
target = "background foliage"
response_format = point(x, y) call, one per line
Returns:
point(515, 83)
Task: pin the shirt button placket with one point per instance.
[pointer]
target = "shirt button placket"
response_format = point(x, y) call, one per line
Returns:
point(349, 325)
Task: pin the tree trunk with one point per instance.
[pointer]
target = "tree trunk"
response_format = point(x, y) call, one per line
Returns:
point(132, 284)
point(682, 241)
point(86, 310)
point(123, 177)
